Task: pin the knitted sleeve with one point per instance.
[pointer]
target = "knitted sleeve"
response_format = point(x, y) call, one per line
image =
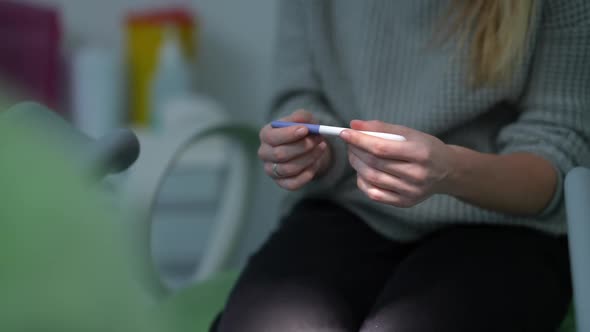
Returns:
point(296, 84)
point(555, 122)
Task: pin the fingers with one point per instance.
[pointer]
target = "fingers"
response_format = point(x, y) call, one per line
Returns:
point(379, 147)
point(280, 136)
point(383, 180)
point(394, 167)
point(413, 173)
point(383, 127)
point(295, 166)
point(294, 155)
point(383, 196)
point(298, 181)
point(295, 183)
point(286, 152)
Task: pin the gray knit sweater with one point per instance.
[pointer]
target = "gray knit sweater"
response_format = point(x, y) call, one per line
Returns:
point(375, 59)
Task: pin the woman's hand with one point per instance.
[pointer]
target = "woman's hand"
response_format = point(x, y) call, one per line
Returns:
point(401, 174)
point(292, 157)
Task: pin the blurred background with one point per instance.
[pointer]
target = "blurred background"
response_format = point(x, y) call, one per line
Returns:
point(158, 67)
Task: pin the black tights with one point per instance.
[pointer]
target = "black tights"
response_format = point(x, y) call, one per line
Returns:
point(324, 270)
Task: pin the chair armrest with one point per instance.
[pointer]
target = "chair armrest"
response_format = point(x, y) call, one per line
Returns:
point(577, 199)
point(109, 154)
point(143, 185)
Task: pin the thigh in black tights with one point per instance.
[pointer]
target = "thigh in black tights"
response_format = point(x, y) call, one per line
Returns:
point(325, 270)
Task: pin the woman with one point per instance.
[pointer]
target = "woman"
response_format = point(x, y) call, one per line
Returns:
point(459, 228)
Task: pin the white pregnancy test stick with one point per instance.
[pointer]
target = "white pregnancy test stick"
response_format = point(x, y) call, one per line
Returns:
point(335, 131)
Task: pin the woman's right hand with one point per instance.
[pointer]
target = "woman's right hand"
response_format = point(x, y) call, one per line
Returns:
point(291, 156)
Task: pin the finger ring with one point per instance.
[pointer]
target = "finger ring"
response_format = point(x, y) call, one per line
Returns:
point(274, 170)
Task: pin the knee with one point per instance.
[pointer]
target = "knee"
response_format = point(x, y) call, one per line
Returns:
point(396, 324)
point(284, 320)
point(385, 323)
point(286, 309)
point(399, 319)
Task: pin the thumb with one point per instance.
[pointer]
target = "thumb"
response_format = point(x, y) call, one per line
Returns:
point(381, 126)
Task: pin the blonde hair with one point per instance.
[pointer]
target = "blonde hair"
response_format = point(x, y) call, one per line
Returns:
point(497, 31)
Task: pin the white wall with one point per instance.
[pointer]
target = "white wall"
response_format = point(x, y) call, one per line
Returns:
point(236, 54)
point(97, 21)
point(233, 67)
point(235, 51)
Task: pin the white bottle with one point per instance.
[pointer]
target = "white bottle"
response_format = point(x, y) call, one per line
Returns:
point(97, 96)
point(172, 78)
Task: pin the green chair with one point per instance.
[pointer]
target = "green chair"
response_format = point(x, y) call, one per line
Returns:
point(63, 259)
point(196, 307)
point(577, 199)
point(75, 271)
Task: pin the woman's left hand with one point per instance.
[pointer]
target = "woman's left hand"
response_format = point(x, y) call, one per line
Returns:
point(401, 174)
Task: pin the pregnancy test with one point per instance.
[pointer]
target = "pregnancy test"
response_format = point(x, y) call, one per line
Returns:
point(334, 131)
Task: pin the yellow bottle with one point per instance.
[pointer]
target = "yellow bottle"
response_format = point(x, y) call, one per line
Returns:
point(145, 35)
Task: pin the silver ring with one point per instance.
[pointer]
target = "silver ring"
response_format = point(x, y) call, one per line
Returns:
point(274, 171)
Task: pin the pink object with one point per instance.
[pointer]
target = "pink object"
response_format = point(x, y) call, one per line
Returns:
point(30, 51)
